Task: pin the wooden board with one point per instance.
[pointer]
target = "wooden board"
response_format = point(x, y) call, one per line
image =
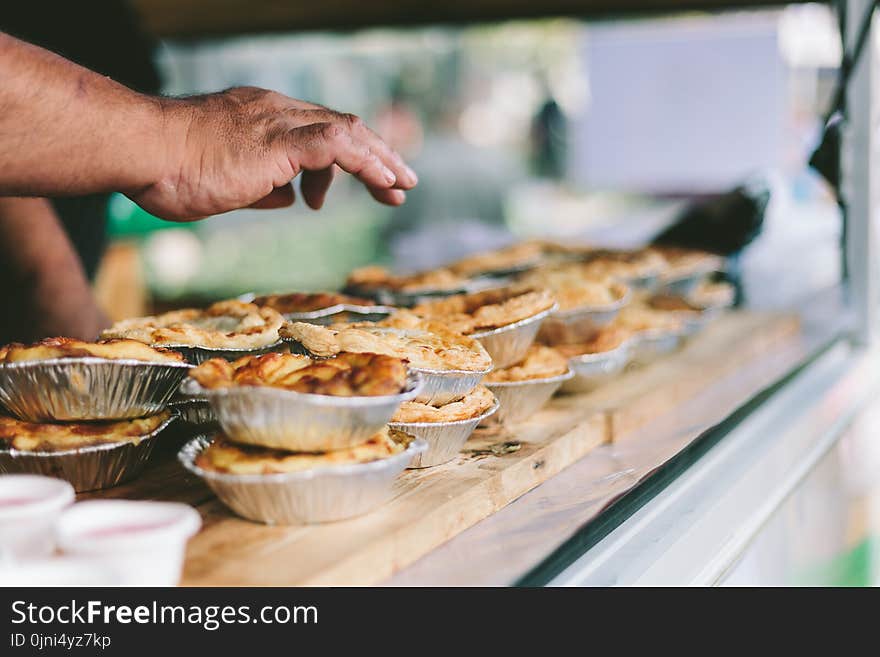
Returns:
point(433, 505)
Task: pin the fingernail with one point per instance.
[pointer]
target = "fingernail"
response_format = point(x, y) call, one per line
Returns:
point(390, 178)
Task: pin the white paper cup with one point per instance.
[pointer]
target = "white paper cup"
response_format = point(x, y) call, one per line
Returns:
point(59, 571)
point(144, 542)
point(29, 507)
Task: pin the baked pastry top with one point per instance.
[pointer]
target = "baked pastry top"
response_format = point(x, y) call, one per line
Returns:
point(379, 277)
point(672, 303)
point(541, 362)
point(304, 302)
point(516, 255)
point(624, 265)
point(684, 262)
point(346, 375)
point(52, 348)
point(640, 317)
point(483, 311)
point(607, 338)
point(225, 456)
point(425, 344)
point(474, 404)
point(45, 437)
point(223, 325)
point(574, 286)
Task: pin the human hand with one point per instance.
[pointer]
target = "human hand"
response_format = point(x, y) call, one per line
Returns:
point(242, 147)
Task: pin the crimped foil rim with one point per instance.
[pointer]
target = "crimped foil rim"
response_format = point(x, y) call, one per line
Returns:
point(93, 360)
point(94, 448)
point(619, 304)
point(336, 309)
point(414, 385)
point(656, 334)
point(403, 426)
point(537, 317)
point(559, 378)
point(218, 350)
point(604, 355)
point(186, 457)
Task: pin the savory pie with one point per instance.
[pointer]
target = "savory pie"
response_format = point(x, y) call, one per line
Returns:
point(523, 254)
point(639, 317)
point(474, 404)
point(624, 265)
point(431, 346)
point(44, 437)
point(573, 286)
point(375, 277)
point(684, 262)
point(541, 362)
point(304, 302)
point(223, 325)
point(483, 311)
point(346, 375)
point(607, 338)
point(232, 458)
point(52, 348)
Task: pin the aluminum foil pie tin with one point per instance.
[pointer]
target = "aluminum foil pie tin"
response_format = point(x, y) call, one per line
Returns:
point(444, 439)
point(521, 399)
point(438, 386)
point(644, 282)
point(580, 324)
point(198, 355)
point(86, 468)
point(648, 346)
point(88, 388)
point(508, 345)
point(389, 297)
point(592, 370)
point(301, 422)
point(444, 386)
point(341, 312)
point(197, 413)
point(327, 494)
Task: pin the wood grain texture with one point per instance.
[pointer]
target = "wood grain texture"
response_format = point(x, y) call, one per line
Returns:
point(198, 18)
point(433, 505)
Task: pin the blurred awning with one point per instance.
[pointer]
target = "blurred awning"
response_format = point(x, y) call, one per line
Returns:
point(202, 18)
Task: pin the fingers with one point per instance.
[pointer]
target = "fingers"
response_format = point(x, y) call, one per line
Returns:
point(317, 146)
point(388, 196)
point(405, 178)
point(314, 186)
point(280, 197)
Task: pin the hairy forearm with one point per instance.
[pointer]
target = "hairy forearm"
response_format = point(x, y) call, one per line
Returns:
point(67, 130)
point(43, 286)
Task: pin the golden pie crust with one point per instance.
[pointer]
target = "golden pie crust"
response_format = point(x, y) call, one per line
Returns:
point(607, 338)
point(474, 404)
point(639, 317)
point(684, 262)
point(375, 277)
point(52, 348)
point(304, 302)
point(487, 310)
point(424, 344)
point(672, 303)
point(624, 265)
point(516, 255)
point(541, 362)
point(45, 437)
point(573, 286)
point(346, 375)
point(223, 325)
point(227, 457)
